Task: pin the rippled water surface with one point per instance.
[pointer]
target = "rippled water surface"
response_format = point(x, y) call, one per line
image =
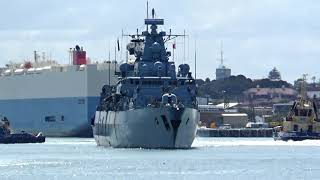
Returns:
point(210, 158)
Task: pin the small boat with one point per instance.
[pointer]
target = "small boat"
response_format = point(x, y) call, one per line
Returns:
point(301, 122)
point(6, 137)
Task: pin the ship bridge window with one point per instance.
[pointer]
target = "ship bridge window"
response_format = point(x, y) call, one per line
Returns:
point(152, 83)
point(50, 118)
point(305, 112)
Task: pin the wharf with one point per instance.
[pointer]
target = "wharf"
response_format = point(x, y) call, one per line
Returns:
point(235, 132)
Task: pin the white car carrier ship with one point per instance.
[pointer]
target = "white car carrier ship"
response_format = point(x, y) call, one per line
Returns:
point(57, 100)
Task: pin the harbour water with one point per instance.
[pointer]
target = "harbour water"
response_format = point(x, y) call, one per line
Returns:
point(210, 158)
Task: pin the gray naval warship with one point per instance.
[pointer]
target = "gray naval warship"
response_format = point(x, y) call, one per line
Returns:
point(151, 106)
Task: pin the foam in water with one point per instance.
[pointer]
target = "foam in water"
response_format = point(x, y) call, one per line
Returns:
point(215, 142)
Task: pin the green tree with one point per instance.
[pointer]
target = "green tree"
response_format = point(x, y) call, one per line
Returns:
point(274, 74)
point(207, 80)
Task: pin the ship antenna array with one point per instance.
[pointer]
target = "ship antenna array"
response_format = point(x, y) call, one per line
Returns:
point(184, 46)
point(121, 45)
point(195, 59)
point(147, 14)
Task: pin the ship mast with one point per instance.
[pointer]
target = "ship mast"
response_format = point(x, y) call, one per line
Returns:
point(147, 15)
point(303, 86)
point(195, 59)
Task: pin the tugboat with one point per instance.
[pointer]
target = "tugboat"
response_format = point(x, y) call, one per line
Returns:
point(6, 137)
point(151, 106)
point(301, 123)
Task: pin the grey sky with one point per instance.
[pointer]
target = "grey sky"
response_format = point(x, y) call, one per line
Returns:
point(257, 34)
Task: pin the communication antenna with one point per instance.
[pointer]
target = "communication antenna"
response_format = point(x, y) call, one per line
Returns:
point(121, 45)
point(195, 59)
point(184, 46)
point(188, 50)
point(147, 11)
point(147, 15)
point(221, 54)
point(109, 68)
point(115, 53)
point(109, 56)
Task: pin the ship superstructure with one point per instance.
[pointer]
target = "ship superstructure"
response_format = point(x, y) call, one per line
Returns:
point(151, 106)
point(57, 100)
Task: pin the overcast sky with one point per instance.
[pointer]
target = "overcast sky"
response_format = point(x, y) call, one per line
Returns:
point(257, 35)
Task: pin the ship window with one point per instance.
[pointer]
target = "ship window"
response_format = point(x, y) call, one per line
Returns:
point(310, 128)
point(152, 83)
point(50, 118)
point(62, 118)
point(182, 82)
point(131, 81)
point(304, 112)
point(137, 82)
point(295, 127)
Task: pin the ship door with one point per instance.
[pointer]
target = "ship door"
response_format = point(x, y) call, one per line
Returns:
point(295, 127)
point(310, 128)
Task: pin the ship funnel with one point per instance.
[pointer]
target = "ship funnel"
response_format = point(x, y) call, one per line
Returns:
point(79, 56)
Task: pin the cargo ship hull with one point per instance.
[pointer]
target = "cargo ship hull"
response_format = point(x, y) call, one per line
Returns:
point(59, 102)
point(51, 116)
point(164, 127)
